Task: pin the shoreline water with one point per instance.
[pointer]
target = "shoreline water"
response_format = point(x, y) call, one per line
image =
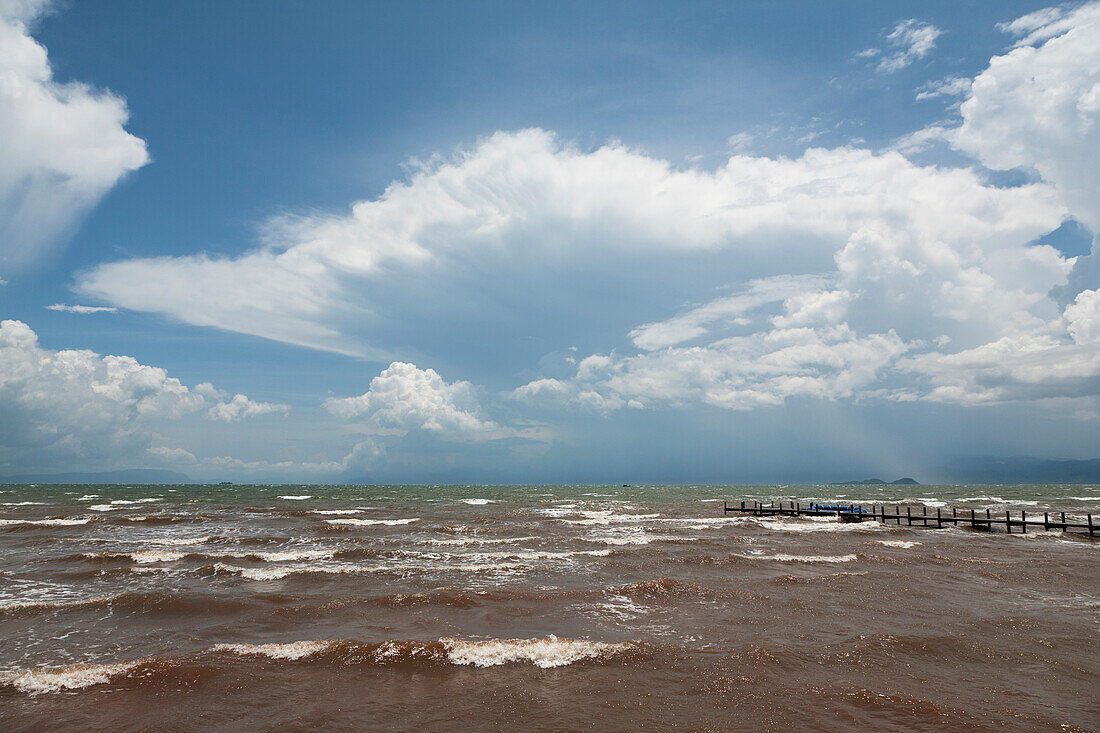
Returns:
point(546, 607)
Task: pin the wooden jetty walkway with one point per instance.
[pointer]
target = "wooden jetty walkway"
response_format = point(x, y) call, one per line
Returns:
point(892, 514)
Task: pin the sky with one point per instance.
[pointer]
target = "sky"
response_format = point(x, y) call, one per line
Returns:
point(548, 242)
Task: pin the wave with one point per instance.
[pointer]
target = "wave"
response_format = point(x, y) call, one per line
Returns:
point(819, 524)
point(44, 522)
point(544, 653)
point(296, 497)
point(279, 572)
point(478, 502)
point(154, 602)
point(481, 540)
point(608, 517)
point(781, 557)
point(69, 677)
point(336, 511)
point(371, 522)
point(898, 543)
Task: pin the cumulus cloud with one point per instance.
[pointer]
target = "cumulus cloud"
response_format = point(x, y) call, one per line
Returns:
point(909, 41)
point(531, 210)
point(76, 404)
point(853, 273)
point(62, 145)
point(404, 397)
point(1038, 107)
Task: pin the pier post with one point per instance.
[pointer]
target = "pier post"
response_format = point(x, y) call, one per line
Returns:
point(1023, 519)
point(1063, 521)
point(1090, 526)
point(939, 522)
point(909, 515)
point(1046, 521)
point(1008, 522)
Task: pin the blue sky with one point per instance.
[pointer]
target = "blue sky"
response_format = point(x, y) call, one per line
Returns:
point(521, 242)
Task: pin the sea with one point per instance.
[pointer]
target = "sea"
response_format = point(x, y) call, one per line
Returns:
point(539, 608)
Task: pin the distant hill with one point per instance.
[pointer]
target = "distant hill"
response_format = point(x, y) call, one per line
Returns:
point(126, 476)
point(879, 482)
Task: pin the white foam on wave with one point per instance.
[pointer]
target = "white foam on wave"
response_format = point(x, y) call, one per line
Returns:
point(819, 524)
point(640, 539)
point(478, 502)
point(149, 500)
point(337, 511)
point(608, 517)
point(24, 503)
point(171, 541)
point(544, 653)
point(463, 541)
point(995, 500)
point(277, 573)
point(89, 497)
point(370, 522)
point(296, 497)
point(69, 677)
point(46, 522)
point(102, 507)
point(290, 650)
point(149, 556)
point(284, 555)
point(780, 557)
point(898, 543)
point(1084, 498)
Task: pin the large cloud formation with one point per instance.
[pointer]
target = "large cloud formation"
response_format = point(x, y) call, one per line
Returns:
point(404, 397)
point(62, 145)
point(851, 273)
point(83, 406)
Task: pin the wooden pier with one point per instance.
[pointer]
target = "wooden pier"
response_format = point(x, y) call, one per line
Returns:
point(893, 514)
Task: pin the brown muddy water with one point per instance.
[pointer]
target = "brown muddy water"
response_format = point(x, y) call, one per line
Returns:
point(537, 608)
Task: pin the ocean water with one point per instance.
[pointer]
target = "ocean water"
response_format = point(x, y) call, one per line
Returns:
point(538, 608)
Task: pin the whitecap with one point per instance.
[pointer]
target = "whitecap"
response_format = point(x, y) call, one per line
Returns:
point(898, 543)
point(802, 558)
point(544, 653)
point(45, 522)
point(70, 677)
point(24, 503)
point(296, 497)
point(369, 522)
point(478, 502)
point(290, 650)
point(102, 507)
point(148, 556)
point(336, 511)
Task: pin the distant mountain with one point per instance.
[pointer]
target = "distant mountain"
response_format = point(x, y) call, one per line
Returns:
point(878, 482)
point(1021, 470)
point(126, 476)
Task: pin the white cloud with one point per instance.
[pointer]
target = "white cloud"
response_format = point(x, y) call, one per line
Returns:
point(77, 404)
point(62, 146)
point(81, 309)
point(909, 41)
point(952, 86)
point(858, 273)
point(523, 204)
point(1038, 107)
point(404, 397)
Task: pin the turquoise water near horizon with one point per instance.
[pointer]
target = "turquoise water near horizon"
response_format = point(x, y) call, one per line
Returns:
point(1075, 496)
